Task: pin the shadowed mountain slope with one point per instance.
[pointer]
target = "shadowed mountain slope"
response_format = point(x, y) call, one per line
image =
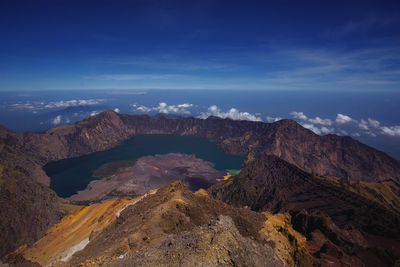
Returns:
point(330, 217)
point(27, 206)
point(23, 155)
point(270, 183)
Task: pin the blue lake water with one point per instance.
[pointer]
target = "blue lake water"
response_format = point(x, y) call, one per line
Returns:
point(70, 175)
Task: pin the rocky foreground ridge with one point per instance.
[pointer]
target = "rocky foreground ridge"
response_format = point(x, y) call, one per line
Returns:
point(170, 226)
point(29, 207)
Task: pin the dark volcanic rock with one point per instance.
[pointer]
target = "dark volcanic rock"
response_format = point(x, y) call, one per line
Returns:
point(270, 183)
point(27, 206)
point(341, 222)
point(23, 155)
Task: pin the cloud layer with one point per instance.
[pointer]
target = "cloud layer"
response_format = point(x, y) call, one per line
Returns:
point(341, 124)
point(74, 103)
point(42, 105)
point(345, 125)
point(164, 108)
point(233, 114)
point(342, 119)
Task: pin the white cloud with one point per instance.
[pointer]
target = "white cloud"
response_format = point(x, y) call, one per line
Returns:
point(165, 108)
point(363, 125)
point(37, 106)
point(318, 120)
point(326, 130)
point(273, 119)
point(391, 131)
point(56, 120)
point(94, 112)
point(342, 119)
point(73, 103)
point(298, 115)
point(343, 125)
point(117, 110)
point(233, 114)
point(317, 130)
point(186, 105)
point(373, 127)
point(312, 128)
point(374, 123)
point(180, 109)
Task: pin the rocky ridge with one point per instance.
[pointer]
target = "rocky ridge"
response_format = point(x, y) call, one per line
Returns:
point(171, 226)
point(23, 155)
point(336, 221)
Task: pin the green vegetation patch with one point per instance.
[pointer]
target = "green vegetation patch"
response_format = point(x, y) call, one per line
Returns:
point(233, 172)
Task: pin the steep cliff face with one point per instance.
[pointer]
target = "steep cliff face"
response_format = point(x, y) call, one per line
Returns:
point(335, 220)
point(23, 155)
point(92, 134)
point(28, 206)
point(270, 183)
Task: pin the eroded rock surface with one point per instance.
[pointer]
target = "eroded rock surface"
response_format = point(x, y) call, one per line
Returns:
point(340, 225)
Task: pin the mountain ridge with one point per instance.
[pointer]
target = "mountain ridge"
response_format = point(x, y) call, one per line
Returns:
point(28, 152)
point(332, 218)
point(326, 155)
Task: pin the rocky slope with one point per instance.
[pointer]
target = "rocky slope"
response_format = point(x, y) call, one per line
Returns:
point(328, 215)
point(171, 226)
point(23, 155)
point(27, 206)
point(73, 232)
point(386, 193)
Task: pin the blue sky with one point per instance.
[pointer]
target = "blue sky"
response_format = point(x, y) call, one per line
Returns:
point(161, 44)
